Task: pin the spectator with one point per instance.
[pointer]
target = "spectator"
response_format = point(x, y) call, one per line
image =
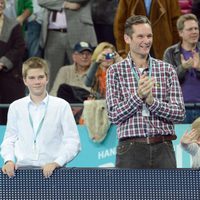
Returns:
point(74, 74)
point(41, 130)
point(144, 100)
point(103, 56)
point(34, 30)
point(185, 57)
point(163, 16)
point(19, 9)
point(190, 142)
point(12, 48)
point(103, 13)
point(65, 23)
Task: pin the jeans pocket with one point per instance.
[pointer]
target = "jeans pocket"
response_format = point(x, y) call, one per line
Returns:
point(123, 147)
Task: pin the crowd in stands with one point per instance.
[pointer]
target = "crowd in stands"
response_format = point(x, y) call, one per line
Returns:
point(81, 39)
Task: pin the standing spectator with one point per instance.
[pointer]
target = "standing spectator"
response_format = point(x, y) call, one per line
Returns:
point(41, 130)
point(144, 100)
point(19, 9)
point(103, 13)
point(163, 16)
point(12, 48)
point(185, 57)
point(103, 56)
point(65, 23)
point(34, 30)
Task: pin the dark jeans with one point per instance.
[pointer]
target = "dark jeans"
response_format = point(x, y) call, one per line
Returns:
point(140, 155)
point(192, 113)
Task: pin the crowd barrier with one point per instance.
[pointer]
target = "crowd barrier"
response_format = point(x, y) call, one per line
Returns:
point(102, 184)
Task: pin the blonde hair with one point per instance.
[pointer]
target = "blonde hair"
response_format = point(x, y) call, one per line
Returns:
point(35, 63)
point(196, 126)
point(100, 47)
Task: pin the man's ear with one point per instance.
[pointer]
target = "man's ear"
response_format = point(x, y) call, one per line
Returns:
point(127, 39)
point(180, 33)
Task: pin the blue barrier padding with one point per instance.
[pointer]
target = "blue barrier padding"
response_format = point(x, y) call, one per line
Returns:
point(103, 154)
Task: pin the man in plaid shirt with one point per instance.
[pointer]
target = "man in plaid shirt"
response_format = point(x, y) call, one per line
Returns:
point(144, 100)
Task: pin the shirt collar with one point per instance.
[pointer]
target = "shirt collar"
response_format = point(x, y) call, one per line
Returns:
point(44, 101)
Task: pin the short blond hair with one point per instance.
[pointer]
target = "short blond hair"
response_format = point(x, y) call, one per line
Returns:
point(35, 63)
point(196, 126)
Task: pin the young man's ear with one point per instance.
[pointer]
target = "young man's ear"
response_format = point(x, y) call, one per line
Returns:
point(24, 79)
point(127, 39)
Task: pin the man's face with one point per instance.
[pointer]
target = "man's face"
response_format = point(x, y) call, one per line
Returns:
point(36, 81)
point(190, 32)
point(83, 58)
point(141, 40)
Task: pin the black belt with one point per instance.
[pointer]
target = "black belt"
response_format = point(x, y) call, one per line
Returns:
point(149, 140)
point(62, 30)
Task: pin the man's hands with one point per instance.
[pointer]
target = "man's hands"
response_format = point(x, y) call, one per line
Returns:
point(192, 62)
point(49, 168)
point(9, 168)
point(145, 86)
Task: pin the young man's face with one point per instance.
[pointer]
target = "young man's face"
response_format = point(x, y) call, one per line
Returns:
point(36, 81)
point(141, 41)
point(190, 32)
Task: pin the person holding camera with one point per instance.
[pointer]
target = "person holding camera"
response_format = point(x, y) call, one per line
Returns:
point(103, 56)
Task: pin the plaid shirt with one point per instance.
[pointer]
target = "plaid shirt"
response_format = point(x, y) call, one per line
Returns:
point(125, 107)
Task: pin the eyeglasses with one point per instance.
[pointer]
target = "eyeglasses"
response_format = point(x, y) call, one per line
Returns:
point(84, 54)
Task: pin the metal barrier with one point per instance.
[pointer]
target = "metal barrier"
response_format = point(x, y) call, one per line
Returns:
point(103, 184)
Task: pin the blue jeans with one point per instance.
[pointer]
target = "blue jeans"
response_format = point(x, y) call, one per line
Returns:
point(33, 39)
point(141, 155)
point(192, 113)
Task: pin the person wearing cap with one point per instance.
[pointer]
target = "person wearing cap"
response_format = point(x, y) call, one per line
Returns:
point(74, 74)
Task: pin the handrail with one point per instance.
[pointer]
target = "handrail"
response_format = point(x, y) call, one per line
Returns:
point(73, 105)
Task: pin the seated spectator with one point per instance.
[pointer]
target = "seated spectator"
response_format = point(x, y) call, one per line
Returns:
point(185, 57)
point(69, 83)
point(103, 56)
point(190, 142)
point(74, 74)
point(12, 49)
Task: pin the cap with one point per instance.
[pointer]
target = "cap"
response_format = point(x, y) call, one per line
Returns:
point(81, 46)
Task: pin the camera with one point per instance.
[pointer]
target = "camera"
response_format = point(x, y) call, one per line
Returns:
point(110, 56)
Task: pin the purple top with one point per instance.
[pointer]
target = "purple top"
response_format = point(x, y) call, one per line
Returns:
point(191, 85)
